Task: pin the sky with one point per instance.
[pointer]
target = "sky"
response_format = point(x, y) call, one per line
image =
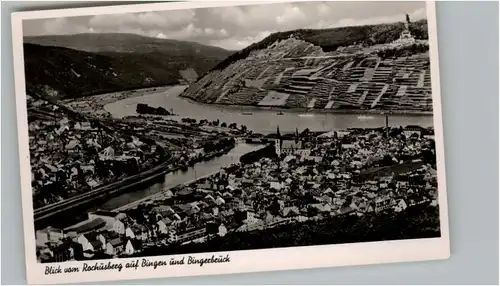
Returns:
point(234, 27)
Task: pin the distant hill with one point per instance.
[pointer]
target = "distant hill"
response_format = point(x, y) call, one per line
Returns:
point(83, 64)
point(127, 43)
point(348, 68)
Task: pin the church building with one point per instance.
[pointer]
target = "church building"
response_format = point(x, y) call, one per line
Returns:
point(289, 147)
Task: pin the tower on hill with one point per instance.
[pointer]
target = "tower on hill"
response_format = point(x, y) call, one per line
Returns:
point(405, 38)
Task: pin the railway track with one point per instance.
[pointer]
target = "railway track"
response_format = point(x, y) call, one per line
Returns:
point(52, 209)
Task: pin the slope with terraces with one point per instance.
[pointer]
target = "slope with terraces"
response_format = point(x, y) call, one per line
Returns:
point(292, 73)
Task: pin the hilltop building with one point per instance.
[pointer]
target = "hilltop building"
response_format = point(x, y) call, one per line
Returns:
point(405, 38)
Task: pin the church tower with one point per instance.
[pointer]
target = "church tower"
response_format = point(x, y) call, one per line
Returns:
point(277, 142)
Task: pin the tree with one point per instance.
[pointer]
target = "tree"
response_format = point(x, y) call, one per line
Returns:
point(208, 147)
point(243, 129)
point(305, 132)
point(395, 132)
point(312, 211)
point(387, 160)
point(428, 156)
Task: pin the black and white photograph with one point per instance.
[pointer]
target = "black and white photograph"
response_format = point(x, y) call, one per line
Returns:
point(181, 129)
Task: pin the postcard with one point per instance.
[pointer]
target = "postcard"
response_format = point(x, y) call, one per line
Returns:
point(204, 138)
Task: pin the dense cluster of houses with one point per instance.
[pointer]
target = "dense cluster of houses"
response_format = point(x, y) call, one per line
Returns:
point(353, 172)
point(109, 234)
point(71, 155)
point(104, 235)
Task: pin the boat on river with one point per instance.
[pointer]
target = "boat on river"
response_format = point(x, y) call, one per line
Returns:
point(364, 117)
point(306, 115)
point(247, 113)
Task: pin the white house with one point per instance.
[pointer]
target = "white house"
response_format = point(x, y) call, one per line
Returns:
point(163, 225)
point(222, 230)
point(400, 206)
point(137, 232)
point(109, 217)
point(276, 185)
point(220, 201)
point(118, 227)
point(95, 246)
point(115, 246)
point(88, 241)
point(129, 233)
point(290, 211)
point(129, 248)
point(83, 241)
point(269, 218)
point(215, 211)
point(107, 154)
point(210, 198)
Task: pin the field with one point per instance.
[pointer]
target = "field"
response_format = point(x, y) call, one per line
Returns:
point(274, 98)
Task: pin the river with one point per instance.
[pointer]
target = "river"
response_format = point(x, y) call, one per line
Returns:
point(262, 121)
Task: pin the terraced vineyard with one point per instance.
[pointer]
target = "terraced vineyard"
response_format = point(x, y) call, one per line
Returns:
point(293, 73)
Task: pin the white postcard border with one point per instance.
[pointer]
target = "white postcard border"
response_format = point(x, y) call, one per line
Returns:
point(241, 261)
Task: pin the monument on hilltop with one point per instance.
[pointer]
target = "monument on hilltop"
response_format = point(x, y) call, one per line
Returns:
point(405, 38)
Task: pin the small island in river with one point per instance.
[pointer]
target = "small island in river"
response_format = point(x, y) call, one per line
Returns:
point(146, 109)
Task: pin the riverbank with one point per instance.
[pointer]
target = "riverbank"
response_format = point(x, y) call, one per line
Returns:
point(264, 120)
point(95, 104)
point(142, 191)
point(100, 101)
point(160, 195)
point(43, 216)
point(314, 110)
